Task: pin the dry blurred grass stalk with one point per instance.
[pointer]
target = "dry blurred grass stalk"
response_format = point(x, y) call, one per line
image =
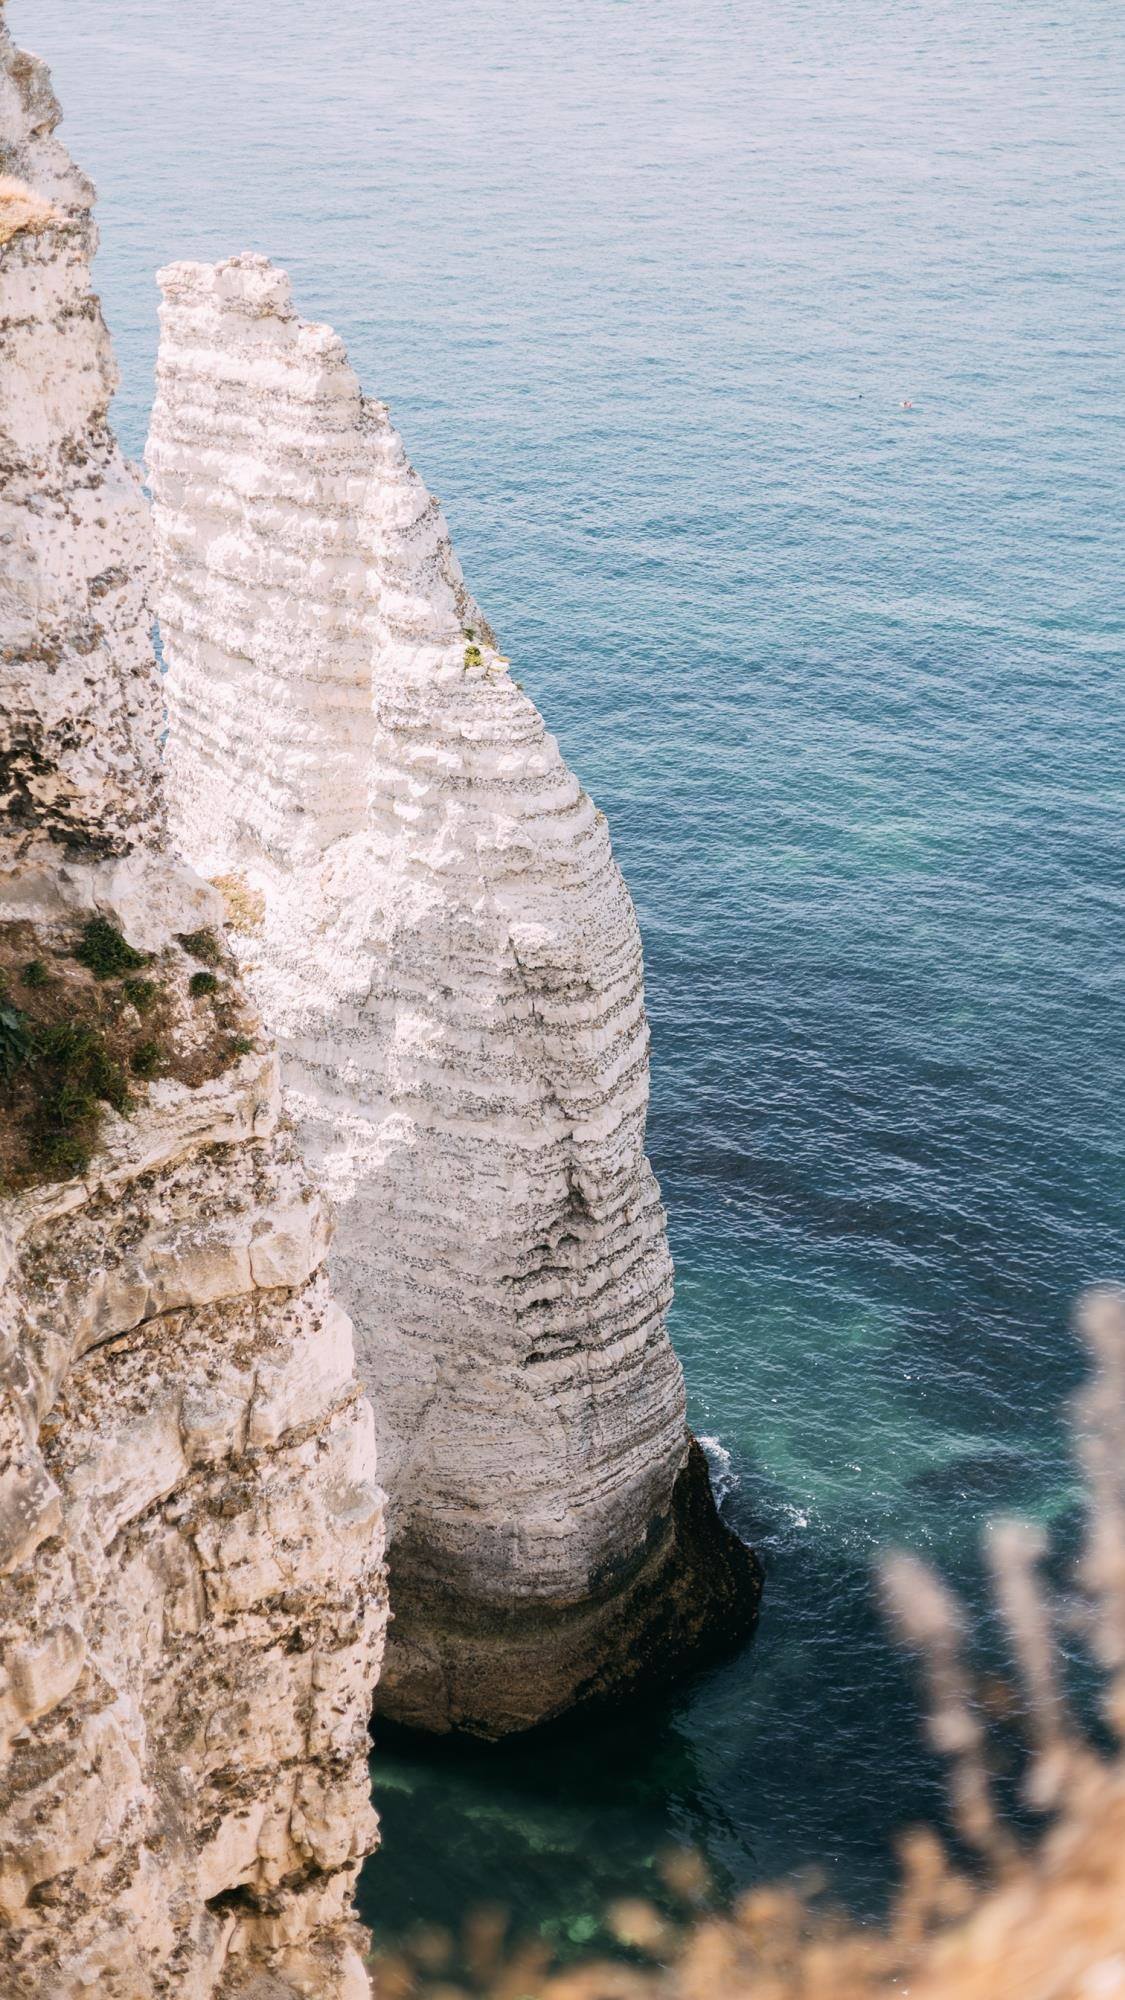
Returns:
point(1050, 1922)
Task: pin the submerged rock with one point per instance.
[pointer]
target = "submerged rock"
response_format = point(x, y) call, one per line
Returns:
point(436, 930)
point(191, 1593)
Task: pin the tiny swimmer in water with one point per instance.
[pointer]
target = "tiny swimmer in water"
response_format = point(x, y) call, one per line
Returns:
point(906, 404)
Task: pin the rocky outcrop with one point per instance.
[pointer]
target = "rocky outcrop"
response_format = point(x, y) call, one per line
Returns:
point(191, 1594)
point(435, 928)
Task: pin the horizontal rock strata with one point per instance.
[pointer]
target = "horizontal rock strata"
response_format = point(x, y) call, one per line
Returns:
point(435, 928)
point(191, 1593)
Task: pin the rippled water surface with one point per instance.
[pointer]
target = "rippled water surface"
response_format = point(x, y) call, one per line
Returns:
point(646, 286)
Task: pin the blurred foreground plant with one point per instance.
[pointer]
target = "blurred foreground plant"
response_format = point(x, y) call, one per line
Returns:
point(1048, 1922)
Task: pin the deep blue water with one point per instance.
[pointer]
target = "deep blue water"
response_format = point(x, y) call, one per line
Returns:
point(646, 287)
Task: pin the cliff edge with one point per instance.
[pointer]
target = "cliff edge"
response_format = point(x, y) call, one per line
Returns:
point(192, 1598)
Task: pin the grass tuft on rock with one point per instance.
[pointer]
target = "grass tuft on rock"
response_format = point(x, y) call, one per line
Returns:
point(75, 1074)
point(104, 951)
point(203, 945)
point(202, 983)
point(141, 994)
point(15, 1042)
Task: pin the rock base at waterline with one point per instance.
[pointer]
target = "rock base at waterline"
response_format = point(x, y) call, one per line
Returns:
point(490, 1669)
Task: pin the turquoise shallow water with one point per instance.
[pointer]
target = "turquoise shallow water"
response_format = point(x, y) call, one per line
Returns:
point(646, 287)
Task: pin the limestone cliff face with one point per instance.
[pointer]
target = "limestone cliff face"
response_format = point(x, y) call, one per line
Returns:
point(435, 928)
point(191, 1593)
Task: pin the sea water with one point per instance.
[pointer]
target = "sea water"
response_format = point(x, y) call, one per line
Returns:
point(767, 357)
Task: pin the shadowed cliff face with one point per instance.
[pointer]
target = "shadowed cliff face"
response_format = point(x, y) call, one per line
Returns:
point(685, 1598)
point(448, 953)
point(191, 1593)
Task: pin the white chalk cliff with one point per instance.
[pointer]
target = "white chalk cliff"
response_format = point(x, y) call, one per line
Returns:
point(191, 1592)
point(436, 930)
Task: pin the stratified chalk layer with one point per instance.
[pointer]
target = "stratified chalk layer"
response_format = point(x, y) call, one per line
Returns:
point(437, 932)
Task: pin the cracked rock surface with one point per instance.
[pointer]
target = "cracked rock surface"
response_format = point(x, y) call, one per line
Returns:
point(433, 925)
point(192, 1599)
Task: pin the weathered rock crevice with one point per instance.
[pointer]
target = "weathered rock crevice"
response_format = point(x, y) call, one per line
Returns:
point(447, 953)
